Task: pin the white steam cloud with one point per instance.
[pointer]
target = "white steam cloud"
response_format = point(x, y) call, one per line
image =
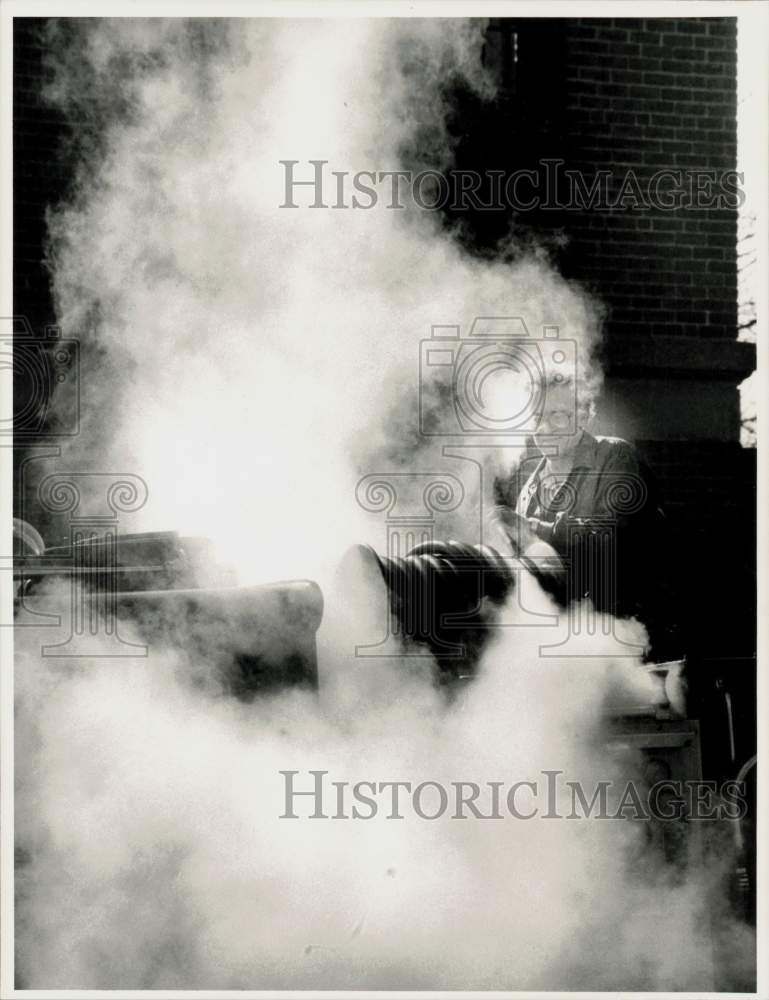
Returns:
point(251, 363)
point(157, 858)
point(260, 359)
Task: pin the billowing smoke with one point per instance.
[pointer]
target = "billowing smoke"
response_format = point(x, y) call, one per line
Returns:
point(251, 363)
point(157, 858)
point(254, 361)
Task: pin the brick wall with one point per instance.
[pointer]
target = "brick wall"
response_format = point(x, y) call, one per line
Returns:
point(650, 95)
point(629, 97)
point(646, 95)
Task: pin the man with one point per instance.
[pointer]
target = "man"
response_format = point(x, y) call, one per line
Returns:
point(593, 503)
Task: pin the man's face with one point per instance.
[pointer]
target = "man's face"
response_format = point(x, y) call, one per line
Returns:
point(557, 424)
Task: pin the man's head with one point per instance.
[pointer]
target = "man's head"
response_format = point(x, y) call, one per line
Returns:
point(567, 407)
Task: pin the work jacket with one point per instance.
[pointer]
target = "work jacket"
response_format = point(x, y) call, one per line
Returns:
point(603, 520)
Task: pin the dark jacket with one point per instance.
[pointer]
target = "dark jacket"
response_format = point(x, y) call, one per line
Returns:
point(604, 521)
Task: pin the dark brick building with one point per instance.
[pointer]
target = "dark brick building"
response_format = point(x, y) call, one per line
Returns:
point(644, 95)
